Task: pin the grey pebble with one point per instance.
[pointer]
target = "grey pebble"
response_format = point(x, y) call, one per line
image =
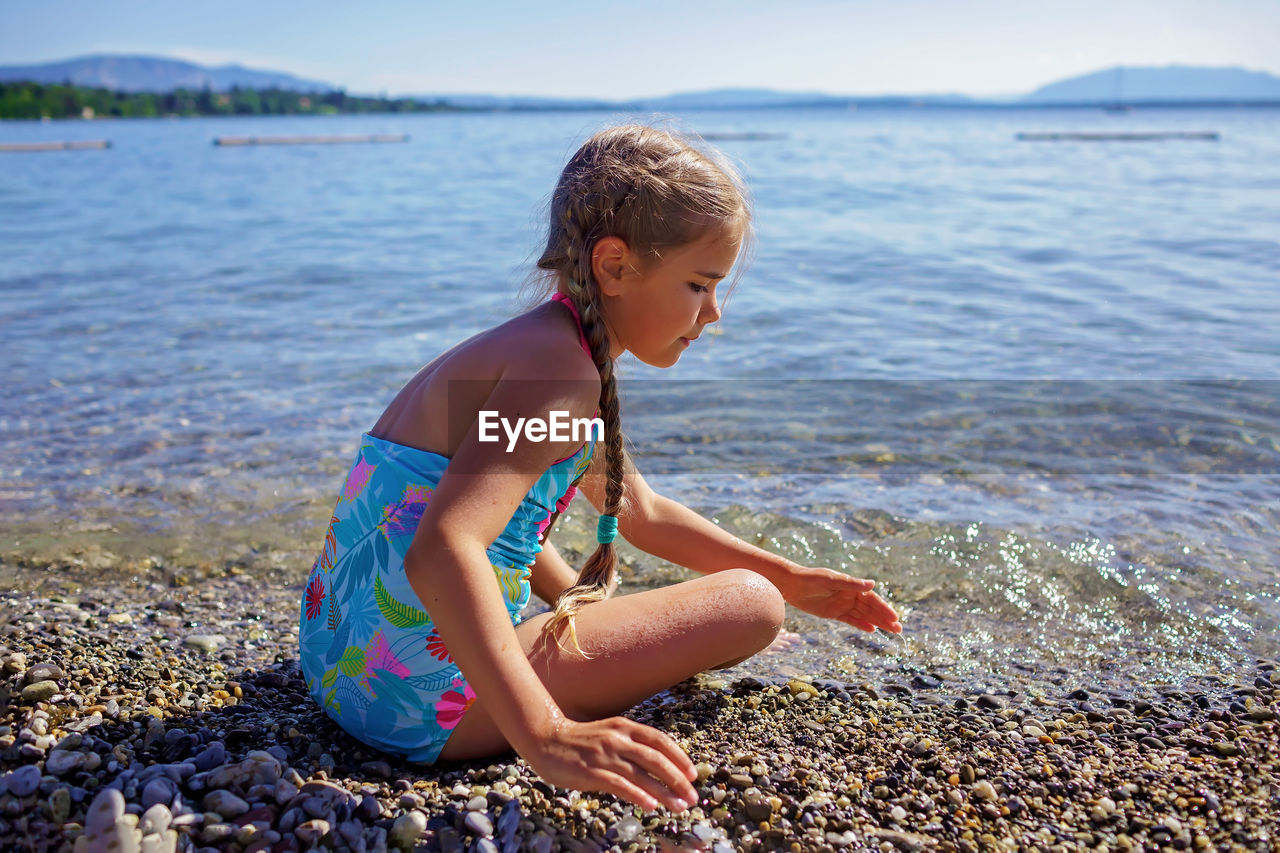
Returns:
point(60, 805)
point(225, 803)
point(158, 791)
point(479, 824)
point(484, 845)
point(627, 830)
point(204, 642)
point(104, 811)
point(61, 761)
point(24, 781)
point(43, 672)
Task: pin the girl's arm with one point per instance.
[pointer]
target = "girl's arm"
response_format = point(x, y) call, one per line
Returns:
point(447, 567)
point(670, 530)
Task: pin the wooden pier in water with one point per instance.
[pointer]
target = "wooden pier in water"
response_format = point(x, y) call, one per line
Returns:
point(234, 141)
point(75, 145)
point(1211, 136)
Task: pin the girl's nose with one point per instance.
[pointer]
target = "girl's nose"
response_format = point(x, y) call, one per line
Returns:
point(710, 311)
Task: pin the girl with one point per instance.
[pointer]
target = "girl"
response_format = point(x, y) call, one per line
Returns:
point(411, 636)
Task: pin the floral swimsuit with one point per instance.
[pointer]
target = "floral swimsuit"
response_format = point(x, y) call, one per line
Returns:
point(369, 652)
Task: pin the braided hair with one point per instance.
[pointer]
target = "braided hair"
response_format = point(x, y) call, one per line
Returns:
point(654, 190)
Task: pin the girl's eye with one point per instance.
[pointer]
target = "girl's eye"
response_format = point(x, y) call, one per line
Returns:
point(699, 288)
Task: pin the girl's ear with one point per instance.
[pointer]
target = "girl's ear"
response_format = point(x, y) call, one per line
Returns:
point(610, 263)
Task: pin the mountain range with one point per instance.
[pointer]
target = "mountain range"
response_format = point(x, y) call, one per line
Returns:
point(155, 74)
point(1172, 84)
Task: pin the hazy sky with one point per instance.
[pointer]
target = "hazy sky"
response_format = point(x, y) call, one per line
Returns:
point(640, 48)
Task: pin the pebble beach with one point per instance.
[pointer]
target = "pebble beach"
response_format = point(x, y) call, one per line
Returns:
point(167, 712)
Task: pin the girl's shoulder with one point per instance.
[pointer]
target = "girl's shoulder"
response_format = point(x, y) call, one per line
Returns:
point(543, 343)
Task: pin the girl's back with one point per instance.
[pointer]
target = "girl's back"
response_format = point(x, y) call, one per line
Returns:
point(540, 346)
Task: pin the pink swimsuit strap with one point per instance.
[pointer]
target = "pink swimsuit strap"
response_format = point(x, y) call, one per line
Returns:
point(573, 309)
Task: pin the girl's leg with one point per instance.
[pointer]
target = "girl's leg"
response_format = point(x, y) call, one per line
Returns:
point(639, 644)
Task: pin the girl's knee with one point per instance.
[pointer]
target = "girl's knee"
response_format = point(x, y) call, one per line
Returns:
point(756, 602)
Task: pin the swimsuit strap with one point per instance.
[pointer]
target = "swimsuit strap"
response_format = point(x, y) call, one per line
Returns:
point(573, 309)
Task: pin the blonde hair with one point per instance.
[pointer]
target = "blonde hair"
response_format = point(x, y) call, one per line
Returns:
point(655, 190)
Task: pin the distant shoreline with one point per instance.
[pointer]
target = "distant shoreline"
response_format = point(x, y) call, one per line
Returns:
point(27, 101)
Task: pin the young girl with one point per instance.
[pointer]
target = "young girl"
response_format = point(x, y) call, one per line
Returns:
point(411, 637)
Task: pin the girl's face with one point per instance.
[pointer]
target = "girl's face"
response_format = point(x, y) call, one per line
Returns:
point(656, 311)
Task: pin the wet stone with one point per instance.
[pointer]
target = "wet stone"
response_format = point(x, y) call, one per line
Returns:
point(40, 691)
point(43, 672)
point(204, 642)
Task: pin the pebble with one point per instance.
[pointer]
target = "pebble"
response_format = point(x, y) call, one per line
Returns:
point(407, 829)
point(106, 808)
point(43, 672)
point(204, 642)
point(479, 823)
point(61, 761)
point(60, 805)
point(23, 781)
point(984, 790)
point(791, 764)
point(40, 691)
point(225, 803)
point(310, 832)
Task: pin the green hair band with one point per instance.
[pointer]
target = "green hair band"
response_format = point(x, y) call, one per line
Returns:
point(607, 529)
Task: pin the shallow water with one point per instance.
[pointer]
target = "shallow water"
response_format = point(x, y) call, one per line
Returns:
point(1029, 387)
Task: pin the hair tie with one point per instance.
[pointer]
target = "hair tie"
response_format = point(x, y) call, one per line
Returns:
point(606, 529)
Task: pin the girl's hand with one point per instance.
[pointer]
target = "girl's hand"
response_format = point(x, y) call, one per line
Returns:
point(834, 595)
point(618, 756)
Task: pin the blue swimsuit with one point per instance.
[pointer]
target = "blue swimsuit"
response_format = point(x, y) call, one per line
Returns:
point(369, 652)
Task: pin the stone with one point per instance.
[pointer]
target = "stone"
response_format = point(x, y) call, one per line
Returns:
point(225, 803)
point(479, 824)
point(158, 791)
point(43, 672)
point(213, 756)
point(205, 642)
point(626, 830)
point(407, 829)
point(984, 790)
point(61, 762)
point(156, 819)
point(310, 832)
point(23, 781)
point(107, 807)
point(40, 691)
point(60, 805)
point(163, 842)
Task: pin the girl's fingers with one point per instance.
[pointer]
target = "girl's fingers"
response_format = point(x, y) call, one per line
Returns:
point(661, 766)
point(664, 744)
point(647, 779)
point(624, 789)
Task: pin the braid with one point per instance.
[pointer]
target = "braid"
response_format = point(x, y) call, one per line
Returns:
point(653, 190)
point(598, 576)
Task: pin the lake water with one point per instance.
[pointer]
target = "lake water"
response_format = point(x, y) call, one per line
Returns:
point(1029, 387)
